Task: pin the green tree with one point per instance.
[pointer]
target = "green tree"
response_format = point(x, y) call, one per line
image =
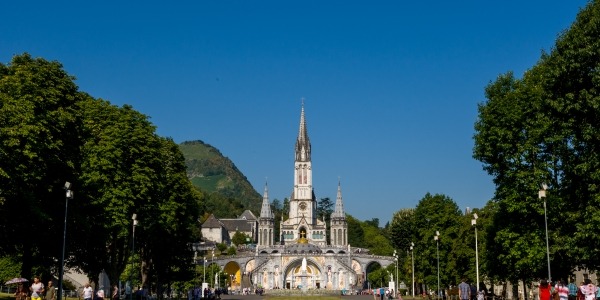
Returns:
point(117, 166)
point(174, 221)
point(373, 222)
point(325, 208)
point(324, 211)
point(375, 240)
point(231, 251)
point(356, 235)
point(122, 174)
point(221, 247)
point(437, 213)
point(276, 206)
point(402, 229)
point(277, 209)
point(544, 128)
point(286, 208)
point(239, 238)
point(10, 267)
point(511, 155)
point(39, 151)
point(570, 80)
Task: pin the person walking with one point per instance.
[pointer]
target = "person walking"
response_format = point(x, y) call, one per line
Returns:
point(37, 289)
point(580, 295)
point(589, 290)
point(572, 290)
point(21, 293)
point(115, 293)
point(50, 292)
point(88, 292)
point(464, 290)
point(544, 290)
point(562, 290)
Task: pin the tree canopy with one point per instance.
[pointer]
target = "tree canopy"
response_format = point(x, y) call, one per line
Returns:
point(544, 128)
point(50, 133)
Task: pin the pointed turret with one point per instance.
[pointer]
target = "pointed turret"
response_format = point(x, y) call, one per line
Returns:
point(339, 225)
point(265, 221)
point(303, 142)
point(265, 211)
point(338, 211)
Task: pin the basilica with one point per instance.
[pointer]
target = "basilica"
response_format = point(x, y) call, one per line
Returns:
point(304, 258)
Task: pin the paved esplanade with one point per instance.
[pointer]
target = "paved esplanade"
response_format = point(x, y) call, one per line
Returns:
point(266, 296)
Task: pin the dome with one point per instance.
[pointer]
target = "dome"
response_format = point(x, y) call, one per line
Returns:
point(302, 248)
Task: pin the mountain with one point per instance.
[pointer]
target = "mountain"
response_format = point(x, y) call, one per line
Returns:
point(219, 178)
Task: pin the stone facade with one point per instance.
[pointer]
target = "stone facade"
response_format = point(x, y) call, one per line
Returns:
point(303, 259)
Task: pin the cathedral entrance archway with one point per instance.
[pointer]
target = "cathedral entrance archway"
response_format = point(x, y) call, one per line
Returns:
point(233, 274)
point(299, 275)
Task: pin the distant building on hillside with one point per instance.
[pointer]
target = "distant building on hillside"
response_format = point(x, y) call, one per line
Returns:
point(222, 230)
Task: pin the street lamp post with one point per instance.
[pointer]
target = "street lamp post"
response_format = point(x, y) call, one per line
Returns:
point(204, 271)
point(396, 282)
point(437, 242)
point(61, 271)
point(542, 194)
point(134, 223)
point(474, 223)
point(412, 254)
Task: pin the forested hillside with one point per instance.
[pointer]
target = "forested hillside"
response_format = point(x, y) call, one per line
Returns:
point(228, 191)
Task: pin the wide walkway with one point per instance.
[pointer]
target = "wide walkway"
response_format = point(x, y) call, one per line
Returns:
point(266, 296)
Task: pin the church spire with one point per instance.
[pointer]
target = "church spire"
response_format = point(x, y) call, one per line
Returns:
point(302, 143)
point(339, 205)
point(265, 211)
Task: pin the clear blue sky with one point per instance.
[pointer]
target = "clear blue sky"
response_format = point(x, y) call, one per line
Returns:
point(391, 88)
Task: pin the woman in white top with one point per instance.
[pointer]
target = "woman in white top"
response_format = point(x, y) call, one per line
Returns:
point(37, 289)
point(88, 292)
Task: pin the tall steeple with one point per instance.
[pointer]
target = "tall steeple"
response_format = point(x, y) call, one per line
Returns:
point(303, 223)
point(265, 211)
point(303, 202)
point(338, 211)
point(302, 143)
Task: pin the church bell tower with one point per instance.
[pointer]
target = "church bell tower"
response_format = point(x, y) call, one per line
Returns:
point(303, 203)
